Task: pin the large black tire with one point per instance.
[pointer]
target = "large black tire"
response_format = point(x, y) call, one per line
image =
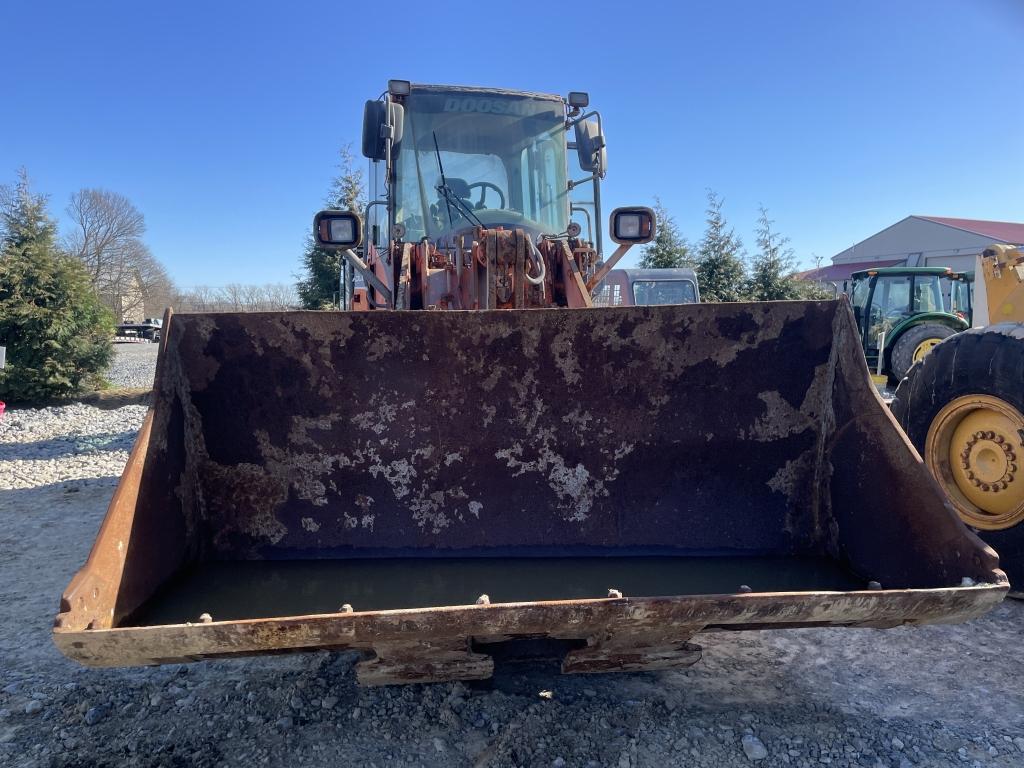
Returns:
point(902, 358)
point(983, 361)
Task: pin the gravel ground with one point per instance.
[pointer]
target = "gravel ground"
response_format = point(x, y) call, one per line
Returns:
point(133, 365)
point(928, 696)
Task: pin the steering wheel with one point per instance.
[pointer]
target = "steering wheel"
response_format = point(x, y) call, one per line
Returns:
point(484, 186)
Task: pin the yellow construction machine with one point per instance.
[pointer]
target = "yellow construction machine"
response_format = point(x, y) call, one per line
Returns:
point(963, 408)
point(472, 458)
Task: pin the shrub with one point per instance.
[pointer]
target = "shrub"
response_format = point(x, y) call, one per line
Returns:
point(57, 333)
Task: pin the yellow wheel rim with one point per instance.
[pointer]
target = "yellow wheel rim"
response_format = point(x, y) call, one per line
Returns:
point(975, 448)
point(924, 348)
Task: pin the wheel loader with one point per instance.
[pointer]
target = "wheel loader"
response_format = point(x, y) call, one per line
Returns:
point(963, 408)
point(472, 461)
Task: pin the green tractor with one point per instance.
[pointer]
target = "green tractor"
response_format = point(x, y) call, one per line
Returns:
point(902, 312)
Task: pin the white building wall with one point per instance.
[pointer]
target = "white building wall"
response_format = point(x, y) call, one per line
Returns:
point(921, 243)
point(956, 263)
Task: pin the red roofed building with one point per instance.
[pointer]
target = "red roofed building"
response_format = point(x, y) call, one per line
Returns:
point(921, 241)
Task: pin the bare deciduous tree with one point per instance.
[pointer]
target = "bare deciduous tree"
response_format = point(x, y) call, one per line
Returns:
point(107, 238)
point(200, 298)
point(106, 226)
point(231, 295)
point(236, 297)
point(280, 296)
point(156, 286)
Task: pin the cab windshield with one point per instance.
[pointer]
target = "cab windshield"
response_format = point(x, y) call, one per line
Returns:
point(503, 157)
point(648, 292)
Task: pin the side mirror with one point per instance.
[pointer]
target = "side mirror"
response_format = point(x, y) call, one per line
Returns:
point(632, 225)
point(376, 127)
point(337, 229)
point(590, 146)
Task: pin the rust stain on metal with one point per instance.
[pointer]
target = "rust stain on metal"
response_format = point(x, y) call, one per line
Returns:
point(747, 428)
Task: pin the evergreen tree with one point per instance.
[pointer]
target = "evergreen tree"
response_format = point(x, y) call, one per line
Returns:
point(347, 187)
point(669, 248)
point(57, 333)
point(807, 289)
point(721, 271)
point(23, 216)
point(318, 287)
point(772, 268)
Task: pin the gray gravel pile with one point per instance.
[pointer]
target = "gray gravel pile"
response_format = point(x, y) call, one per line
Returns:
point(930, 696)
point(74, 444)
point(133, 365)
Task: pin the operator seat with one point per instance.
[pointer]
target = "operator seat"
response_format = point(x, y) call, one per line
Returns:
point(924, 298)
point(460, 188)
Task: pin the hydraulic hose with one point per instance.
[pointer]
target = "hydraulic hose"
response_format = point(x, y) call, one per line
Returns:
point(538, 261)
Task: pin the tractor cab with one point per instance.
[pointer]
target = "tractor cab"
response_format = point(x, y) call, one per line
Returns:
point(902, 313)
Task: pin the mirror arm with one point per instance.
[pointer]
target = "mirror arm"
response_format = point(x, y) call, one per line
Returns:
point(592, 113)
point(368, 274)
point(574, 184)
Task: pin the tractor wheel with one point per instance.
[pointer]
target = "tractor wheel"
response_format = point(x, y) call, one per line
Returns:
point(963, 409)
point(914, 344)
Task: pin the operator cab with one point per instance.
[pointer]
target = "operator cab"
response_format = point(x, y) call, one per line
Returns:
point(473, 157)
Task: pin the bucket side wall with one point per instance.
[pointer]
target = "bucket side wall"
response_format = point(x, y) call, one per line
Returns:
point(146, 535)
point(892, 523)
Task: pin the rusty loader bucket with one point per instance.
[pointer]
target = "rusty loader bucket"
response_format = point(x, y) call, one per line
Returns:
point(426, 487)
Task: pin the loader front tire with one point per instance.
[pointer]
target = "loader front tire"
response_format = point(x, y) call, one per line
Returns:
point(914, 344)
point(962, 407)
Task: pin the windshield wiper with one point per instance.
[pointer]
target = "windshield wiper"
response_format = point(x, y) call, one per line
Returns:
point(449, 196)
point(443, 188)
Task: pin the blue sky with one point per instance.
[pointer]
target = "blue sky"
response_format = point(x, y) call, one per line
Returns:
point(221, 121)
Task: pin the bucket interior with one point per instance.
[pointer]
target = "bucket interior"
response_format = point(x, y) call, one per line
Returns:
point(250, 589)
point(301, 461)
